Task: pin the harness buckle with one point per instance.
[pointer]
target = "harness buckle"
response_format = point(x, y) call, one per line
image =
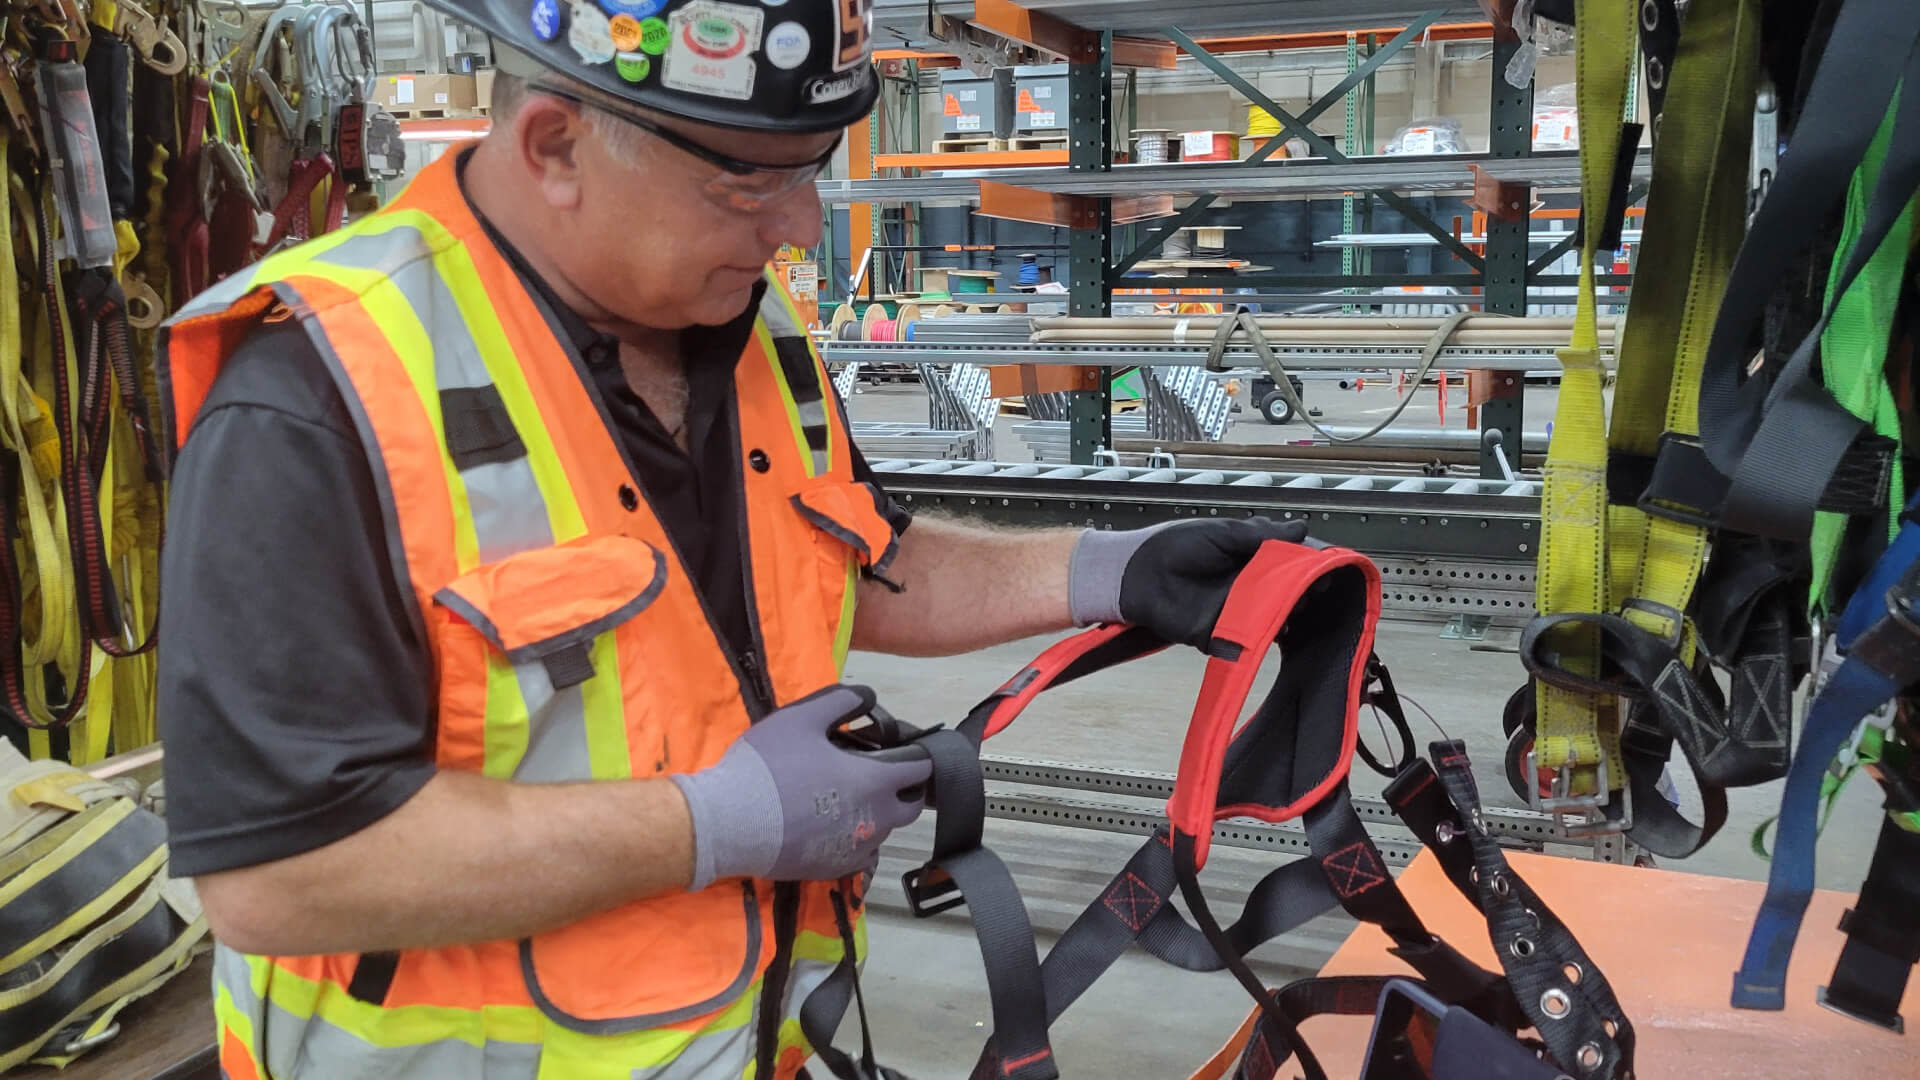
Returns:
point(1581, 816)
point(926, 886)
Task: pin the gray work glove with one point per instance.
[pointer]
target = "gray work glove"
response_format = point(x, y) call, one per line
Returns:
point(1172, 579)
point(788, 803)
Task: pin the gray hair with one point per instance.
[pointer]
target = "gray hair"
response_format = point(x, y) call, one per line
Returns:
point(622, 141)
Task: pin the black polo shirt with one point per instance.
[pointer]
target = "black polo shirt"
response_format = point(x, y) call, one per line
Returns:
point(295, 700)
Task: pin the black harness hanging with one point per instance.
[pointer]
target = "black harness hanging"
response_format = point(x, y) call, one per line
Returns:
point(1288, 760)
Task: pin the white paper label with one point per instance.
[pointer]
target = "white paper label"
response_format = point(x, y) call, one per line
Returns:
point(590, 34)
point(440, 99)
point(1043, 91)
point(803, 279)
point(1417, 141)
point(1043, 119)
point(1196, 142)
point(788, 45)
point(967, 123)
point(710, 50)
point(403, 91)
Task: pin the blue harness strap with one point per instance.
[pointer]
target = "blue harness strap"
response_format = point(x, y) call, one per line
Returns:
point(1879, 633)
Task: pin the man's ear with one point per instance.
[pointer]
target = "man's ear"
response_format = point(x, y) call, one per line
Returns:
point(547, 136)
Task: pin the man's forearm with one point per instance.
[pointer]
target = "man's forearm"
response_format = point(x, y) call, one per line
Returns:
point(966, 587)
point(467, 859)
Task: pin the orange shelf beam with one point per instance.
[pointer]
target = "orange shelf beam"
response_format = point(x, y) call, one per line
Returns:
point(979, 159)
point(1055, 35)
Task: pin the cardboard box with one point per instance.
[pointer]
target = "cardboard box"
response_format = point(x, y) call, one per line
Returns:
point(405, 95)
point(483, 88)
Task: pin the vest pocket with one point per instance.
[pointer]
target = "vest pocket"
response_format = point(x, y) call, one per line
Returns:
point(849, 512)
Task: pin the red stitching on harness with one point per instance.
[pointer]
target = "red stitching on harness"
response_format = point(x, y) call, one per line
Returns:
point(1353, 870)
point(1007, 1067)
point(1133, 901)
point(1260, 1063)
point(1425, 782)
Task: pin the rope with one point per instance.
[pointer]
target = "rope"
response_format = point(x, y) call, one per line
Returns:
point(1244, 321)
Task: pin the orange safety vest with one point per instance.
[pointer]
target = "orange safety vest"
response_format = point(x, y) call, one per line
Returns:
point(569, 644)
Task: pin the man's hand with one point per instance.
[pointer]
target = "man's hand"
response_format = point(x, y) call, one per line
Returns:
point(1172, 579)
point(787, 802)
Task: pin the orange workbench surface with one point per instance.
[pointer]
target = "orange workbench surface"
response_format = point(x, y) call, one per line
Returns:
point(1669, 943)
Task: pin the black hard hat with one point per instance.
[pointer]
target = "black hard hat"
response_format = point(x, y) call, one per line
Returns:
point(764, 65)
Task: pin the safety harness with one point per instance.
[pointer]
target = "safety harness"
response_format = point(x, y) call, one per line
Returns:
point(1289, 759)
point(89, 920)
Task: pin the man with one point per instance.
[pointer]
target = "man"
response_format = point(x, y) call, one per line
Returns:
point(516, 543)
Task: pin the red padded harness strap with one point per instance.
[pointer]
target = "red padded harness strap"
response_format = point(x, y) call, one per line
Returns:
point(1102, 647)
point(1258, 607)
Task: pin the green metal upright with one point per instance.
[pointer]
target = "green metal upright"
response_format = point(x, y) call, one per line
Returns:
point(1349, 146)
point(1509, 134)
point(1089, 249)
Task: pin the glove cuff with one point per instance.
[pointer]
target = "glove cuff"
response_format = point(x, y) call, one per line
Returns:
point(1094, 573)
point(735, 809)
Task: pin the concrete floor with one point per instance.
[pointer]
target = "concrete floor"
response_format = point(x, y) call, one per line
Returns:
point(1144, 1019)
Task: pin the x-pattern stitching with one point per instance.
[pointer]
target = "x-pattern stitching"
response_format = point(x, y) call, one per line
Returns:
point(1679, 695)
point(1353, 869)
point(1133, 901)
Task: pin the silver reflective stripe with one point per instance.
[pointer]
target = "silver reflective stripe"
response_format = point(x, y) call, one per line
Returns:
point(557, 729)
point(773, 312)
point(509, 513)
point(711, 1055)
point(313, 1049)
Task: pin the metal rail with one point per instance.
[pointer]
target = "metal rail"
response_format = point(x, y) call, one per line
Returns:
point(1107, 354)
point(1439, 173)
point(1514, 827)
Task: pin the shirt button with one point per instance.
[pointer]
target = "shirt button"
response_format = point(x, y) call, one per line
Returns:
point(629, 498)
point(758, 459)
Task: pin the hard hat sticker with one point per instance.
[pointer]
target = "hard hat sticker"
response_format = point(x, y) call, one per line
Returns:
point(653, 36)
point(638, 9)
point(788, 45)
point(590, 35)
point(827, 88)
point(625, 31)
point(855, 21)
point(546, 19)
point(710, 49)
point(633, 66)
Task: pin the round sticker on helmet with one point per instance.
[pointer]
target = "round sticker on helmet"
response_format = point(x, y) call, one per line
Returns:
point(633, 66)
point(625, 31)
point(546, 19)
point(639, 9)
point(590, 35)
point(654, 36)
point(788, 45)
point(716, 38)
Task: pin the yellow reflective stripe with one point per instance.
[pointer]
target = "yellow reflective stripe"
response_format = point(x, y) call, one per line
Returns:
point(390, 311)
point(772, 355)
point(843, 633)
point(508, 723)
point(606, 713)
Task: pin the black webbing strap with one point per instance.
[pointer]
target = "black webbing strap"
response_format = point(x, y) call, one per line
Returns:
point(821, 1013)
point(1671, 702)
point(1552, 979)
point(1780, 436)
point(1659, 41)
point(1883, 934)
point(101, 871)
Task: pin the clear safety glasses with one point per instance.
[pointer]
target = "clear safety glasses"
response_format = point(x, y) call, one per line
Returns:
point(744, 186)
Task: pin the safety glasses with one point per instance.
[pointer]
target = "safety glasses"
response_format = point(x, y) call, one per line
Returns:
point(743, 186)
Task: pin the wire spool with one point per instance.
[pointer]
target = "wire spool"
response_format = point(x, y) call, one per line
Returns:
point(1260, 123)
point(969, 282)
point(881, 330)
point(975, 309)
point(1177, 246)
point(1150, 147)
point(943, 311)
point(842, 315)
point(909, 312)
point(846, 331)
point(874, 314)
